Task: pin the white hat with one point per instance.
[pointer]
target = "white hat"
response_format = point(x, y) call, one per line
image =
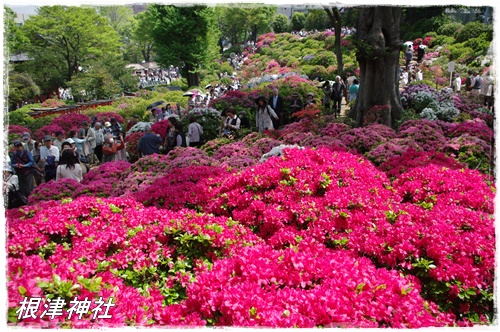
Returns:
point(70, 141)
point(7, 168)
point(107, 124)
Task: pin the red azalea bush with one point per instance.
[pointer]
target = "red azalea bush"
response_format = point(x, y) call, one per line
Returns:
point(131, 144)
point(276, 198)
point(70, 122)
point(375, 114)
point(161, 128)
point(385, 151)
point(17, 130)
point(53, 103)
point(412, 158)
point(107, 116)
point(181, 188)
point(50, 130)
point(308, 285)
point(472, 151)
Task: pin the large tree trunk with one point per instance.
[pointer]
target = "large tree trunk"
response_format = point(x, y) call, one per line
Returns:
point(193, 78)
point(378, 57)
point(334, 16)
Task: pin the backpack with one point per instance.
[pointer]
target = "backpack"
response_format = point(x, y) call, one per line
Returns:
point(468, 82)
point(478, 83)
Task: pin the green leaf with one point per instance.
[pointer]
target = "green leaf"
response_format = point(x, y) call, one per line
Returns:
point(21, 290)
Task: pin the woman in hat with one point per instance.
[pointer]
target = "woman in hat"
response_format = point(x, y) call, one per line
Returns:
point(295, 104)
point(310, 99)
point(265, 114)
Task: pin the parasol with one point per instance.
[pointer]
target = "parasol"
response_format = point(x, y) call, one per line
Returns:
point(153, 105)
point(188, 94)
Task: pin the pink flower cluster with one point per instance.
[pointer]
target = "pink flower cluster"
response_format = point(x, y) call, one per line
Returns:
point(70, 122)
point(311, 238)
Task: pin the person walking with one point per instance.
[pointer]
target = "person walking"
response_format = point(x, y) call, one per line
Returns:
point(264, 116)
point(337, 92)
point(353, 90)
point(327, 90)
point(276, 102)
point(149, 142)
point(195, 132)
point(457, 83)
point(477, 83)
point(22, 162)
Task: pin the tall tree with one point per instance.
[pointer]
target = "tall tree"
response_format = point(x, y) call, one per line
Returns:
point(280, 23)
point(64, 39)
point(13, 35)
point(298, 21)
point(378, 49)
point(185, 36)
point(142, 36)
point(336, 20)
point(240, 21)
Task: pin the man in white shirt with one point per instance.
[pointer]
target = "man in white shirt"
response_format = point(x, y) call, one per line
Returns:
point(49, 155)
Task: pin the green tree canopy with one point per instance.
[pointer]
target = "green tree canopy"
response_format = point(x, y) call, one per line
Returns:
point(238, 22)
point(185, 35)
point(62, 39)
point(298, 21)
point(280, 23)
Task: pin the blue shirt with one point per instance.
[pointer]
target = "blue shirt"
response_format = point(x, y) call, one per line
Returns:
point(149, 144)
point(30, 163)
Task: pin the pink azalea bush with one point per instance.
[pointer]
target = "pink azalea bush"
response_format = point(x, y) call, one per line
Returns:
point(54, 190)
point(70, 122)
point(311, 238)
point(107, 116)
point(183, 188)
point(50, 130)
point(114, 248)
point(161, 128)
point(411, 158)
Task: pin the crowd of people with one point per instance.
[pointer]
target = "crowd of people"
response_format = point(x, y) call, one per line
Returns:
point(159, 76)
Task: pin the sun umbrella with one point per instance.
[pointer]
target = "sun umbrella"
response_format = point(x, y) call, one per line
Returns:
point(139, 126)
point(153, 105)
point(408, 43)
point(188, 94)
point(208, 86)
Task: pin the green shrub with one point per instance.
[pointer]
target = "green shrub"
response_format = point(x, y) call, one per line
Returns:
point(324, 59)
point(479, 45)
point(443, 40)
point(474, 30)
point(182, 83)
point(450, 29)
point(20, 117)
point(459, 51)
